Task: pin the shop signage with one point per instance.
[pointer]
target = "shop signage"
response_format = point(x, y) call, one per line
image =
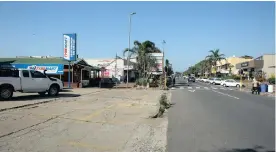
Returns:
point(70, 47)
point(51, 68)
point(245, 64)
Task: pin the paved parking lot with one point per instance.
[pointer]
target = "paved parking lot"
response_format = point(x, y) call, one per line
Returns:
point(101, 121)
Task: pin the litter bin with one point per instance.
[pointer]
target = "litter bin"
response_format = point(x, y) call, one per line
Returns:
point(270, 88)
point(263, 87)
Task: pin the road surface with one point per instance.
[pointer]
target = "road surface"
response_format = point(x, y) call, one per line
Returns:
point(208, 118)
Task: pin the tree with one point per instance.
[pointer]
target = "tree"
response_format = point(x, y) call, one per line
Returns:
point(247, 57)
point(145, 62)
point(168, 68)
point(214, 57)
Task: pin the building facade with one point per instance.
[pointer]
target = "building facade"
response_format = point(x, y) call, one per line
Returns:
point(228, 65)
point(55, 66)
point(264, 64)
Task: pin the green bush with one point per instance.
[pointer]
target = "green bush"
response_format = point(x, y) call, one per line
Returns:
point(235, 77)
point(141, 81)
point(271, 80)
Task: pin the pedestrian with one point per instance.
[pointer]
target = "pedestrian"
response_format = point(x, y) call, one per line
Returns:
point(173, 81)
point(255, 86)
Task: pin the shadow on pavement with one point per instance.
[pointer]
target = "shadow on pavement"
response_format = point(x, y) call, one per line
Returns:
point(35, 97)
point(255, 149)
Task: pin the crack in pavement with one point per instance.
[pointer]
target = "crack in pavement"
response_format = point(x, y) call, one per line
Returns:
point(52, 118)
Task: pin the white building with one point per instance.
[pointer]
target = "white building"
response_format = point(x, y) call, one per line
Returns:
point(113, 67)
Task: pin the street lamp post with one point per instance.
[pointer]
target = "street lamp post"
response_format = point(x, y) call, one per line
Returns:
point(133, 13)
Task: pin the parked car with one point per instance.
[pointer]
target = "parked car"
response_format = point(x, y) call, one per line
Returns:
point(231, 83)
point(107, 83)
point(27, 81)
point(204, 80)
point(191, 79)
point(209, 80)
point(217, 81)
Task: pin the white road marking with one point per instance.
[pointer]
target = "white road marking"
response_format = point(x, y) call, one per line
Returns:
point(191, 90)
point(189, 87)
point(214, 88)
point(226, 94)
point(197, 87)
point(222, 88)
point(230, 89)
point(206, 88)
point(181, 87)
point(173, 88)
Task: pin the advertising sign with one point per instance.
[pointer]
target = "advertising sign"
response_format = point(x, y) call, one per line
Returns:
point(51, 68)
point(159, 60)
point(70, 47)
point(245, 64)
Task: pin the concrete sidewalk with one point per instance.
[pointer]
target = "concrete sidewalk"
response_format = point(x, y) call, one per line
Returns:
point(20, 100)
point(115, 120)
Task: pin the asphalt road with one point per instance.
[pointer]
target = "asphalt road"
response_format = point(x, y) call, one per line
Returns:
point(209, 118)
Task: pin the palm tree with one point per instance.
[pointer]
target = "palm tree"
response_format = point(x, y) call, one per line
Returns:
point(215, 56)
point(145, 62)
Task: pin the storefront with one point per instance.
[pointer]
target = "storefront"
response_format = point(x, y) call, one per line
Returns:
point(80, 71)
point(264, 64)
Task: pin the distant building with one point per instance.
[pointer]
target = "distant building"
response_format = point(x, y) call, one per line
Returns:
point(114, 68)
point(228, 65)
point(264, 63)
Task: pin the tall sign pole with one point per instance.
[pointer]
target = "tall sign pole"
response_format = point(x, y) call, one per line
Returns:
point(70, 52)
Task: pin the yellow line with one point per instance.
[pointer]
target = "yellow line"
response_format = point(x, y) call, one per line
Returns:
point(96, 113)
point(90, 146)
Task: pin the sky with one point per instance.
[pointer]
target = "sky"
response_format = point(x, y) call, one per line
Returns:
point(190, 29)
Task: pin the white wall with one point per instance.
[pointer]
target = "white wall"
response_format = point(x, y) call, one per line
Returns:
point(269, 60)
point(110, 68)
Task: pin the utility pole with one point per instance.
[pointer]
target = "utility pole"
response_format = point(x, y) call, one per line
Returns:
point(163, 67)
point(133, 13)
point(116, 69)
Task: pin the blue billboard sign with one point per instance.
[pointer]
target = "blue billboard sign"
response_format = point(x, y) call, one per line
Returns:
point(70, 47)
point(51, 68)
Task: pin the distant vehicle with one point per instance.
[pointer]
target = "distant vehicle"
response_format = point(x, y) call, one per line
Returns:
point(209, 80)
point(204, 80)
point(27, 81)
point(107, 83)
point(191, 79)
point(231, 83)
point(217, 81)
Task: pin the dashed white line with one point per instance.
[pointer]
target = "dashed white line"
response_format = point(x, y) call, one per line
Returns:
point(226, 94)
point(206, 88)
point(189, 87)
point(197, 87)
point(181, 87)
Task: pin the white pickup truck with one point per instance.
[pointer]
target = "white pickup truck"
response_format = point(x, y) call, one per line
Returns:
point(27, 81)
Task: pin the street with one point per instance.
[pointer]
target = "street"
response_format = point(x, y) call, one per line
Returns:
point(206, 118)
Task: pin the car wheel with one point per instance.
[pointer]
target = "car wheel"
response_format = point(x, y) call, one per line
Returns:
point(54, 90)
point(224, 85)
point(237, 85)
point(6, 93)
point(42, 93)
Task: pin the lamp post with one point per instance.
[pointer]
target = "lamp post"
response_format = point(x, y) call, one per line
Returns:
point(130, 15)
